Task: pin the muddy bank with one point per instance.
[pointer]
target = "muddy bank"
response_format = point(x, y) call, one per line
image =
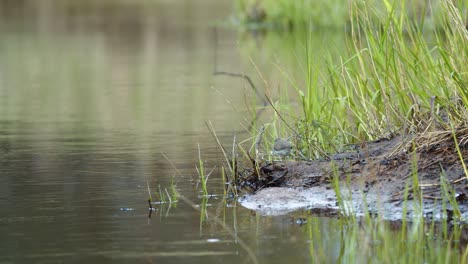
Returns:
point(373, 178)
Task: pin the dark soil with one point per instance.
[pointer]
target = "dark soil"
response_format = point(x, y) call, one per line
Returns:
point(378, 175)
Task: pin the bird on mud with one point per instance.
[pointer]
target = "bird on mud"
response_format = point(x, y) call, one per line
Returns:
point(282, 148)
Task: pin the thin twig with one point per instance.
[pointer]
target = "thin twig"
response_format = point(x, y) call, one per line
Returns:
point(432, 197)
point(168, 196)
point(149, 191)
point(258, 141)
point(280, 116)
point(213, 133)
point(172, 164)
point(459, 180)
point(240, 75)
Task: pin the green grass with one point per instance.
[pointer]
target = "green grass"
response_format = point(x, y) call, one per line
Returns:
point(398, 74)
point(202, 174)
point(371, 239)
point(401, 72)
point(377, 242)
point(387, 85)
point(163, 195)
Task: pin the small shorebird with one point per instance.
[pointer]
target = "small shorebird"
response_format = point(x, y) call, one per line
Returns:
point(282, 147)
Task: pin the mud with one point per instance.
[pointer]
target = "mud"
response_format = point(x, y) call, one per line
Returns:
point(373, 179)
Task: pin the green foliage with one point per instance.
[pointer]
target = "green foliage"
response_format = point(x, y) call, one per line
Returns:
point(202, 174)
point(404, 69)
point(398, 74)
point(285, 14)
point(377, 241)
point(370, 239)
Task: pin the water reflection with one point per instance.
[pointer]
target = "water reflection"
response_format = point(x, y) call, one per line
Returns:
point(91, 94)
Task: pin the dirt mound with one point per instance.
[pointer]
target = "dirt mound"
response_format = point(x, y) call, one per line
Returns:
point(374, 178)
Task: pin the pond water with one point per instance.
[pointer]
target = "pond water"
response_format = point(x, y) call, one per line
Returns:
point(91, 97)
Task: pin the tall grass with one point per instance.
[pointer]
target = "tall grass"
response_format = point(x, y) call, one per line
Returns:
point(396, 70)
point(404, 71)
point(396, 76)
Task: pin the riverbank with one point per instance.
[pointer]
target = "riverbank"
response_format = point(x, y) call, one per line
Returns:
point(384, 177)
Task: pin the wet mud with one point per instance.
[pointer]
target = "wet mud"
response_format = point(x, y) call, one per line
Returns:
point(379, 179)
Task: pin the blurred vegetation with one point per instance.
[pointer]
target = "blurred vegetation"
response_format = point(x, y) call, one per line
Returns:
point(320, 14)
point(284, 14)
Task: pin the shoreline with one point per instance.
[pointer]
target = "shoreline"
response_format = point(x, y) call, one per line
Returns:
point(373, 181)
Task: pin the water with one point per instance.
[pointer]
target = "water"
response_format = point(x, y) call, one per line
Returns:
point(92, 94)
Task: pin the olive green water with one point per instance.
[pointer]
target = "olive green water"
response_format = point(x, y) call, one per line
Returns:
point(90, 96)
point(93, 92)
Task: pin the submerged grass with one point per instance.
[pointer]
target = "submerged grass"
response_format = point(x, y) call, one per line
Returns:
point(201, 173)
point(371, 239)
point(165, 196)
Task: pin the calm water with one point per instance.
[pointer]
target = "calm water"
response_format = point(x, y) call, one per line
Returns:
point(90, 96)
point(92, 93)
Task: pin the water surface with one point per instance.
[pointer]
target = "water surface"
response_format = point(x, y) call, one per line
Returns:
point(92, 94)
